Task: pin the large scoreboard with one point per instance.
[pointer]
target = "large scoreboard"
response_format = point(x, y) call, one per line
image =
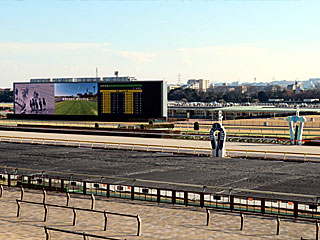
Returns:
point(143, 99)
point(96, 101)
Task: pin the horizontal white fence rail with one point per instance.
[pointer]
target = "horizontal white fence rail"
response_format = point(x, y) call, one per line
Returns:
point(165, 148)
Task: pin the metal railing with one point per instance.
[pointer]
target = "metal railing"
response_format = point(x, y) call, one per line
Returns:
point(311, 157)
point(246, 201)
point(85, 235)
point(75, 209)
point(249, 129)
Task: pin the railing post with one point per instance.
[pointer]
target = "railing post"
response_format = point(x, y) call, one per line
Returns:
point(44, 196)
point(295, 209)
point(242, 221)
point(9, 180)
point(92, 201)
point(108, 190)
point(62, 185)
point(158, 195)
point(317, 230)
point(186, 198)
point(84, 188)
point(202, 199)
point(231, 199)
point(74, 217)
point(21, 193)
point(50, 184)
point(132, 192)
point(45, 212)
point(19, 208)
point(263, 206)
point(139, 226)
point(68, 199)
point(208, 216)
point(105, 220)
point(173, 197)
point(278, 225)
point(1, 191)
point(47, 233)
point(29, 182)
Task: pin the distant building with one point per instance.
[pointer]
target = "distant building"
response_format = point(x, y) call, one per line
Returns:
point(254, 88)
point(200, 85)
point(296, 87)
point(83, 79)
point(275, 100)
point(225, 89)
point(275, 88)
point(6, 89)
point(314, 79)
point(173, 86)
point(311, 100)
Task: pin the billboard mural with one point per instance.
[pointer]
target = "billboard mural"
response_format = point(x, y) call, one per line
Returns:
point(34, 98)
point(76, 99)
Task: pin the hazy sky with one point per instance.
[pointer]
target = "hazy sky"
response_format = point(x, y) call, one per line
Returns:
point(218, 40)
point(73, 89)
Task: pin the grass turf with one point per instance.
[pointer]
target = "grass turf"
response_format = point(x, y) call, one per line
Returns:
point(76, 107)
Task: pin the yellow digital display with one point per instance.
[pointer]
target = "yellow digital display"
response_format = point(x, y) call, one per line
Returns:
point(125, 101)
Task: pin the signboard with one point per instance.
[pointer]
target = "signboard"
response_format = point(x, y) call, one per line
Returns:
point(114, 101)
point(76, 98)
point(132, 99)
point(34, 99)
point(296, 130)
point(218, 145)
point(56, 98)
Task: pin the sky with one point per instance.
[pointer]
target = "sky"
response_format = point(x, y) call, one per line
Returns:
point(219, 40)
point(72, 89)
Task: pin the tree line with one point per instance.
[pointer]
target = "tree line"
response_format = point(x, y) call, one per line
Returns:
point(6, 96)
point(192, 95)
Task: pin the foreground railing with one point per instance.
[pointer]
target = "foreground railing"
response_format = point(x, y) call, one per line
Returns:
point(85, 235)
point(312, 157)
point(75, 209)
point(245, 203)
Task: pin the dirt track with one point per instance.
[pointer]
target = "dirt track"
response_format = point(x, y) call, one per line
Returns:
point(289, 177)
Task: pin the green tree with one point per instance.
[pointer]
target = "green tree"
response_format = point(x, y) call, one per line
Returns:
point(6, 96)
point(262, 96)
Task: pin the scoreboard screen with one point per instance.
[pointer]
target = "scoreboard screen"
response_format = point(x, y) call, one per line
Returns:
point(91, 100)
point(131, 99)
point(56, 99)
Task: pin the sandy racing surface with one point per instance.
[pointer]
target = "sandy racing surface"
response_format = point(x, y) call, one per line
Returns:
point(277, 176)
point(159, 221)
